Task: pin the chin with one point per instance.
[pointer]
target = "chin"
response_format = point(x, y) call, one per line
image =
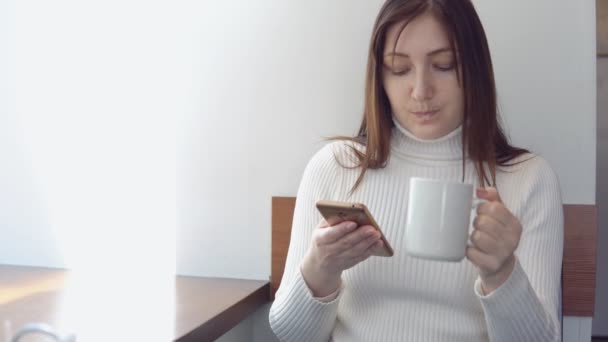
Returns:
point(428, 128)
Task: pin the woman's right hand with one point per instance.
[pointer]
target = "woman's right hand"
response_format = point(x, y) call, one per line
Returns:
point(335, 249)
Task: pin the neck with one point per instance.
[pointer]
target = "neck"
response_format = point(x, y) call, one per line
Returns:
point(446, 148)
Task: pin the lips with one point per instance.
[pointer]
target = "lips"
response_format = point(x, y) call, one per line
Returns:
point(425, 115)
point(425, 112)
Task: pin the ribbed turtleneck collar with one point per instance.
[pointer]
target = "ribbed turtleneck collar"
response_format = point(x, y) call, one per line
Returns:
point(446, 148)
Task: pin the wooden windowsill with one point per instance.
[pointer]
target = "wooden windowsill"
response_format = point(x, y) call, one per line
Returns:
point(205, 308)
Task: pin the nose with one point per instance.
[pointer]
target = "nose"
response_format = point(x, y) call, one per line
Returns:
point(422, 89)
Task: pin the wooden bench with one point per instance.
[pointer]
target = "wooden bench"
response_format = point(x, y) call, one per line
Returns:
point(579, 263)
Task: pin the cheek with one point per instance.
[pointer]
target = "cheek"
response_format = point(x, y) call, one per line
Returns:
point(458, 98)
point(452, 92)
point(456, 101)
point(395, 91)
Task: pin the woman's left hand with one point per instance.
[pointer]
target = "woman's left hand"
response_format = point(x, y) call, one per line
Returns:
point(494, 240)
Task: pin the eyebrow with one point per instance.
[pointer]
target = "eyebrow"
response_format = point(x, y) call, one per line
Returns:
point(432, 53)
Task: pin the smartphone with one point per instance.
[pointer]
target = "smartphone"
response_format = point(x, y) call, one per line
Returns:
point(336, 212)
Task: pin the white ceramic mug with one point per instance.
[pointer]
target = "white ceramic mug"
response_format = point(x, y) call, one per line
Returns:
point(438, 218)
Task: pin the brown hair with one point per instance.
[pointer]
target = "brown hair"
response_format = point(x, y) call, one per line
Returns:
point(482, 135)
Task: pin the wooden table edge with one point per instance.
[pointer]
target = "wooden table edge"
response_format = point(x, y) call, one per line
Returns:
point(229, 318)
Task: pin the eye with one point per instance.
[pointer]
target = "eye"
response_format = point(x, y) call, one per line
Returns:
point(400, 72)
point(444, 67)
point(397, 70)
point(397, 65)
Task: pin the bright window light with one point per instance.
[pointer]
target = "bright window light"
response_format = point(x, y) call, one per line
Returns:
point(95, 102)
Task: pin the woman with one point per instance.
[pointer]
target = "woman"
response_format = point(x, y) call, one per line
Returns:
point(430, 111)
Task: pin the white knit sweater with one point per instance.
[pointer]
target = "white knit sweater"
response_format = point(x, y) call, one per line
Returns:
point(408, 299)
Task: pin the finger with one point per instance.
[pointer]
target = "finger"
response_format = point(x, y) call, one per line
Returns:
point(353, 238)
point(332, 234)
point(360, 247)
point(369, 251)
point(489, 225)
point(484, 242)
point(489, 193)
point(323, 224)
point(379, 248)
point(497, 211)
point(486, 263)
point(475, 255)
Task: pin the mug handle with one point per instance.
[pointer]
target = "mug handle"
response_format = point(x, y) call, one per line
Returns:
point(477, 201)
point(45, 329)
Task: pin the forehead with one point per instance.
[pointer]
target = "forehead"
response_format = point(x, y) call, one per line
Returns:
point(422, 34)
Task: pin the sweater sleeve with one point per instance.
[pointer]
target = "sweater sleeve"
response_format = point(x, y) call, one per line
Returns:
point(526, 307)
point(295, 314)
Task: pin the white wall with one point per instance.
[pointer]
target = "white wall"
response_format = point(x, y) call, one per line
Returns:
point(544, 58)
point(270, 79)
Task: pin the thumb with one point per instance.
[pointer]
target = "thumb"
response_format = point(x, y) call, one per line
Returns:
point(489, 193)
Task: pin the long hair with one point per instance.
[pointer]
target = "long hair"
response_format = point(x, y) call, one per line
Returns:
point(482, 135)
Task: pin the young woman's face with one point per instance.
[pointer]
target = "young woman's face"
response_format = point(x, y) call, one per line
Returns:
point(421, 80)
